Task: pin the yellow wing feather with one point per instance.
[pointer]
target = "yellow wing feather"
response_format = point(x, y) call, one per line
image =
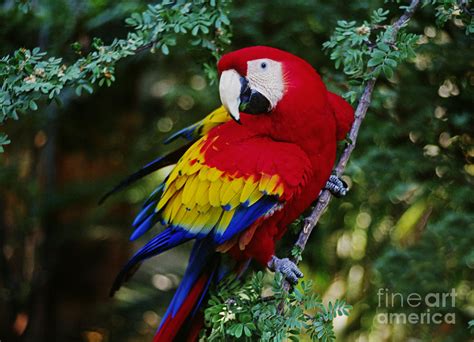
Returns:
point(176, 205)
point(202, 196)
point(214, 190)
point(180, 182)
point(189, 190)
point(227, 192)
point(203, 173)
point(249, 187)
point(214, 174)
point(264, 179)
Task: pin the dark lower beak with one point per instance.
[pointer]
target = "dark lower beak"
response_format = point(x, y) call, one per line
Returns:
point(251, 101)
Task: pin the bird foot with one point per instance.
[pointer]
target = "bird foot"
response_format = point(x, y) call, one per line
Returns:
point(286, 267)
point(337, 186)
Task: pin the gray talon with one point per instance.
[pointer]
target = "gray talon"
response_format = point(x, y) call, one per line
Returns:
point(286, 267)
point(336, 186)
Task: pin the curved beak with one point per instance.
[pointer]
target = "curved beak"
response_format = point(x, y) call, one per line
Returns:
point(237, 96)
point(229, 92)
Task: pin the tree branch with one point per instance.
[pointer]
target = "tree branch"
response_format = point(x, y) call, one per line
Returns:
point(364, 103)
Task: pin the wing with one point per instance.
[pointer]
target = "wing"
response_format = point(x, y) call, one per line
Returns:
point(201, 128)
point(222, 184)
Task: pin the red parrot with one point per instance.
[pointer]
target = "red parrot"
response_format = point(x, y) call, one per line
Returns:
point(241, 182)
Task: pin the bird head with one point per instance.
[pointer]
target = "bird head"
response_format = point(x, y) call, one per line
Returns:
point(263, 80)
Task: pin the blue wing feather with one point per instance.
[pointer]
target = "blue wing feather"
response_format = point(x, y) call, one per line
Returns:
point(148, 216)
point(143, 214)
point(144, 226)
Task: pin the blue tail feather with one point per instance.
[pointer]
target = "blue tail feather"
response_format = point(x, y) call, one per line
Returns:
point(202, 259)
point(167, 239)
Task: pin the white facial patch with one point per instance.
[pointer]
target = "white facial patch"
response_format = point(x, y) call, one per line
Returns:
point(266, 76)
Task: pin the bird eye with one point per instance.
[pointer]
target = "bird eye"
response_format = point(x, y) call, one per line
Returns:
point(263, 65)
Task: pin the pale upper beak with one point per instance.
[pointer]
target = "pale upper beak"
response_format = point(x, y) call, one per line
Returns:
point(237, 96)
point(229, 92)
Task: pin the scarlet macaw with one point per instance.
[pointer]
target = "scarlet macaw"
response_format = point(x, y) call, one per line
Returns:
point(237, 187)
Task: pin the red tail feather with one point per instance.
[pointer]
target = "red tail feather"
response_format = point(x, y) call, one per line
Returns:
point(172, 325)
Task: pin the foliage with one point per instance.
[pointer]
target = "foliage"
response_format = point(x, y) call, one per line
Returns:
point(366, 50)
point(240, 311)
point(28, 76)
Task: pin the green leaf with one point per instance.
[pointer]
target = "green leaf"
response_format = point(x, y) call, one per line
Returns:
point(247, 331)
point(33, 105)
point(388, 71)
point(378, 54)
point(383, 46)
point(238, 330)
point(165, 49)
point(374, 62)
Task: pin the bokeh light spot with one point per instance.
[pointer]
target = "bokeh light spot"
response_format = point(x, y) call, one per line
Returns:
point(93, 336)
point(161, 88)
point(165, 124)
point(162, 282)
point(198, 82)
point(151, 318)
point(40, 139)
point(431, 150)
point(185, 102)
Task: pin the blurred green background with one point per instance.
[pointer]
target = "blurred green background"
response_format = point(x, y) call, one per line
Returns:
point(406, 225)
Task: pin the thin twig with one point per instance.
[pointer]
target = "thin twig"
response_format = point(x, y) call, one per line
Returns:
point(323, 201)
point(145, 47)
